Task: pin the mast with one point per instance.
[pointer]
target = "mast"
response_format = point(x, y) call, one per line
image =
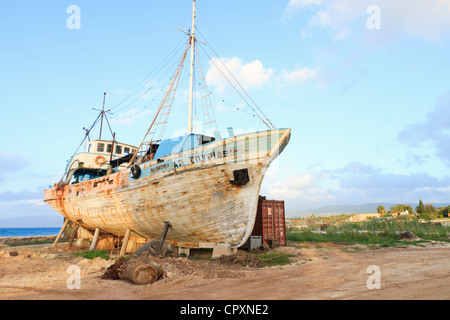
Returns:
point(103, 113)
point(191, 94)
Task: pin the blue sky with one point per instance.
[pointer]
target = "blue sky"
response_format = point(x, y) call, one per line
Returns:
point(366, 93)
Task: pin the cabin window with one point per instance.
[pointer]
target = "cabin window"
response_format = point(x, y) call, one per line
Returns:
point(89, 148)
point(119, 149)
point(109, 148)
point(126, 150)
point(101, 147)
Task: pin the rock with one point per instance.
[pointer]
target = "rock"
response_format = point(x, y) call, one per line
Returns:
point(408, 236)
point(49, 256)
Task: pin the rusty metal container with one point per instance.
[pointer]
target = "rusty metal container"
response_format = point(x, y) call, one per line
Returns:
point(270, 222)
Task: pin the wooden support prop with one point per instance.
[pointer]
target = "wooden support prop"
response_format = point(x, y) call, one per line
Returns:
point(72, 238)
point(61, 232)
point(125, 243)
point(94, 241)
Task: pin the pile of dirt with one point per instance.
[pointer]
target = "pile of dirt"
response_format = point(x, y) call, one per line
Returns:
point(113, 271)
point(241, 258)
point(171, 267)
point(175, 268)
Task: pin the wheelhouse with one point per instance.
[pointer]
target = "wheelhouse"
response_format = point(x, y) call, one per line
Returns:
point(101, 157)
point(105, 147)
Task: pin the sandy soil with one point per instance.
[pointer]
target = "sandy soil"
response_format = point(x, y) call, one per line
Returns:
point(318, 271)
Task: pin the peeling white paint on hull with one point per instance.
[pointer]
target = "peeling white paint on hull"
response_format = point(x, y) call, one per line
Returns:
point(197, 198)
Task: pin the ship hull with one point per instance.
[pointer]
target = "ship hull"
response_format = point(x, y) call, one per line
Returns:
point(195, 191)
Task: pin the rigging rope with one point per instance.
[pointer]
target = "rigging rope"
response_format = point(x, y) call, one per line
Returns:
point(271, 126)
point(146, 82)
point(162, 118)
point(156, 71)
point(208, 111)
point(84, 139)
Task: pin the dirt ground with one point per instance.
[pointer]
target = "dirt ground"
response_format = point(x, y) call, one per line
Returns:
point(318, 271)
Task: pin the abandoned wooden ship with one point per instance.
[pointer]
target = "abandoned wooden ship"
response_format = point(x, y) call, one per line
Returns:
point(206, 187)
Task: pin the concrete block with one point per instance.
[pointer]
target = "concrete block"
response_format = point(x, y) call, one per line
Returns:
point(82, 242)
point(223, 250)
point(185, 251)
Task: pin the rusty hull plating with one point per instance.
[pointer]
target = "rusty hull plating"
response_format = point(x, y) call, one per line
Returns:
point(196, 191)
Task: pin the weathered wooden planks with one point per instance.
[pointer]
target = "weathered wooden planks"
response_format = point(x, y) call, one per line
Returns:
point(192, 190)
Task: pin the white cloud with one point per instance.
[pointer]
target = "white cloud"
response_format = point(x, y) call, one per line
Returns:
point(428, 20)
point(300, 181)
point(434, 128)
point(294, 186)
point(12, 162)
point(355, 183)
point(296, 5)
point(250, 75)
point(37, 202)
point(296, 77)
point(254, 75)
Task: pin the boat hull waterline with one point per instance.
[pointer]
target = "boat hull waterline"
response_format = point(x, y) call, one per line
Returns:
point(194, 190)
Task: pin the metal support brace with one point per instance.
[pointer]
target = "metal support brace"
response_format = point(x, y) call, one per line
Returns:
point(167, 225)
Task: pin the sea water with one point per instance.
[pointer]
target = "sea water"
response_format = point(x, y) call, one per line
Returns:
point(28, 232)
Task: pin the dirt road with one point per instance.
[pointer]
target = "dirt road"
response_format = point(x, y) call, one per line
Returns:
point(318, 271)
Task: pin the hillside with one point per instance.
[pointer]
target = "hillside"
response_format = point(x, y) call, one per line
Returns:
point(355, 209)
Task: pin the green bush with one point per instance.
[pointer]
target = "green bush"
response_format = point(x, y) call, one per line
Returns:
point(384, 232)
point(274, 259)
point(94, 254)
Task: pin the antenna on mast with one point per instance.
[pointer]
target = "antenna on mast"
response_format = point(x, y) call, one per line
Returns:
point(103, 115)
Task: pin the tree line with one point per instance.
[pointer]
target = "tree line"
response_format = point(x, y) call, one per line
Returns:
point(423, 211)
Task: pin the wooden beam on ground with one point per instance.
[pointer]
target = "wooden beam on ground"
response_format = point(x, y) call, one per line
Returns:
point(94, 241)
point(72, 237)
point(66, 222)
point(125, 243)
